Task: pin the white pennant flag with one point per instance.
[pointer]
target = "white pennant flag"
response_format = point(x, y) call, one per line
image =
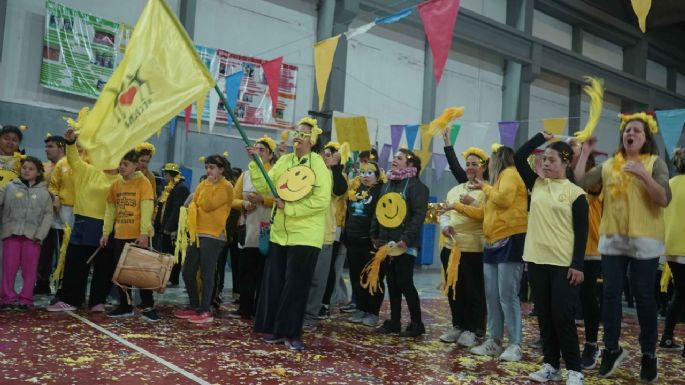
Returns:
point(359, 30)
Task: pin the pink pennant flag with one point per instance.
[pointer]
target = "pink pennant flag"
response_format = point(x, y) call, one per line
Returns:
point(396, 135)
point(188, 110)
point(272, 73)
point(439, 164)
point(383, 157)
point(507, 133)
point(439, 17)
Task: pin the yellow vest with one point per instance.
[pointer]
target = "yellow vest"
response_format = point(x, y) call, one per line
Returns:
point(628, 210)
point(673, 218)
point(550, 234)
point(468, 231)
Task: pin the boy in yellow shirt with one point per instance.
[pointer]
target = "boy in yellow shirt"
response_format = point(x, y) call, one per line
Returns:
point(130, 202)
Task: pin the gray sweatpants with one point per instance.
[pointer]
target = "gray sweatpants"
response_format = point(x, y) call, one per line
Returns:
point(318, 286)
point(205, 259)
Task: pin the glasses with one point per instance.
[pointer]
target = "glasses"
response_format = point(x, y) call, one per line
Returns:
point(367, 173)
point(299, 134)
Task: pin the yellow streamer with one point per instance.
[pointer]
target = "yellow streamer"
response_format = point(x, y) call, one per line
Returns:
point(448, 115)
point(56, 277)
point(452, 271)
point(181, 236)
point(665, 278)
point(595, 90)
point(370, 275)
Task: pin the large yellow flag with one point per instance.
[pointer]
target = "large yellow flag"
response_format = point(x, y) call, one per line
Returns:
point(159, 76)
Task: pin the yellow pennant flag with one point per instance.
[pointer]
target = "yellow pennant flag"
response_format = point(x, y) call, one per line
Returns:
point(641, 9)
point(158, 77)
point(324, 51)
point(425, 157)
point(426, 136)
point(555, 126)
point(200, 110)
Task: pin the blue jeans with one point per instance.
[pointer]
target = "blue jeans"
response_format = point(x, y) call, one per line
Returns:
point(642, 276)
point(502, 282)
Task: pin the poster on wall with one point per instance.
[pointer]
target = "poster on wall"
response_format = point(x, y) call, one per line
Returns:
point(80, 51)
point(253, 106)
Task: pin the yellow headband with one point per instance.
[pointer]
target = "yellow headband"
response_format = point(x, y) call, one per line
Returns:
point(476, 152)
point(495, 147)
point(146, 147)
point(268, 141)
point(332, 144)
point(641, 116)
point(316, 131)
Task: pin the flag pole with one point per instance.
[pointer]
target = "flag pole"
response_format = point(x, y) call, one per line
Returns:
point(256, 158)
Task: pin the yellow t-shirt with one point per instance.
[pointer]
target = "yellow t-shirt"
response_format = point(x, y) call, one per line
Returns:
point(594, 217)
point(469, 231)
point(673, 218)
point(550, 235)
point(127, 197)
point(62, 182)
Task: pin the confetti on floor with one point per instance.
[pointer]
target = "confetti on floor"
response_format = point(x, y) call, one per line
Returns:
point(56, 348)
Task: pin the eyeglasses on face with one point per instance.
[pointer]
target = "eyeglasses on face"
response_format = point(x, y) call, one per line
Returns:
point(299, 134)
point(367, 173)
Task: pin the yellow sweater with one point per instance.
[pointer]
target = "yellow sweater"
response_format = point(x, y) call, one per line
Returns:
point(505, 212)
point(673, 218)
point(62, 182)
point(90, 185)
point(469, 231)
point(213, 202)
point(594, 217)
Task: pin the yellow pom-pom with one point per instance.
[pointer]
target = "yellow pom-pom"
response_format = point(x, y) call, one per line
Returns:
point(202, 158)
point(225, 154)
point(448, 115)
point(495, 147)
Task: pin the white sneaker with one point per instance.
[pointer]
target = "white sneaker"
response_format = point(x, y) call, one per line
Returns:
point(451, 336)
point(511, 354)
point(467, 339)
point(547, 373)
point(487, 348)
point(575, 378)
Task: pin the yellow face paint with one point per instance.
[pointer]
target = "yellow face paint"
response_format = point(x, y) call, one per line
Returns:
point(296, 183)
point(391, 210)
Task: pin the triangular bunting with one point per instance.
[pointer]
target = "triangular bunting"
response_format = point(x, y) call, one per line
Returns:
point(233, 82)
point(554, 126)
point(641, 9)
point(425, 157)
point(439, 164)
point(383, 157)
point(324, 51)
point(454, 132)
point(395, 17)
point(671, 126)
point(395, 136)
point(426, 136)
point(359, 30)
point(198, 113)
point(188, 111)
point(507, 132)
point(411, 130)
point(272, 73)
point(172, 127)
point(213, 107)
point(439, 17)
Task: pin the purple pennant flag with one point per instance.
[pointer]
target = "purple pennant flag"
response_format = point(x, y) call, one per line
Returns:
point(411, 130)
point(396, 135)
point(507, 133)
point(439, 163)
point(233, 82)
point(383, 157)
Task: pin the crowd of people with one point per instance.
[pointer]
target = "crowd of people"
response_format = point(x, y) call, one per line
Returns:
point(557, 218)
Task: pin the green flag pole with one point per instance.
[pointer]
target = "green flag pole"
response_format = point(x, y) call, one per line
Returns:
point(256, 158)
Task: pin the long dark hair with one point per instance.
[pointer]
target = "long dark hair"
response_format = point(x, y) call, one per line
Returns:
point(221, 162)
point(413, 159)
point(503, 158)
point(566, 155)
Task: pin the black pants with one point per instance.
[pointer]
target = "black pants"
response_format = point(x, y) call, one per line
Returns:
point(400, 278)
point(166, 245)
point(288, 272)
point(555, 301)
point(220, 271)
point(359, 254)
point(251, 270)
point(204, 259)
point(146, 298)
point(48, 250)
point(589, 301)
point(235, 267)
point(76, 270)
point(677, 307)
point(468, 306)
point(331, 282)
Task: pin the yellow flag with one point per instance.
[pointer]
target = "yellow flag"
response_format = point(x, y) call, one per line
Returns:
point(425, 157)
point(200, 110)
point(324, 51)
point(641, 9)
point(426, 136)
point(354, 131)
point(158, 77)
point(555, 125)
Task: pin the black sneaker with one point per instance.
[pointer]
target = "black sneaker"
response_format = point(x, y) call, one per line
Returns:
point(648, 368)
point(414, 329)
point(21, 307)
point(668, 343)
point(349, 308)
point(149, 315)
point(120, 313)
point(389, 327)
point(42, 290)
point(324, 313)
point(590, 356)
point(238, 314)
point(611, 361)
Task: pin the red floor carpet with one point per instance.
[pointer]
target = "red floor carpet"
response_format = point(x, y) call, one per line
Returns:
point(47, 348)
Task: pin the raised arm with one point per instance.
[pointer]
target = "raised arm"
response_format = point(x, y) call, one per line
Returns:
point(453, 161)
point(521, 159)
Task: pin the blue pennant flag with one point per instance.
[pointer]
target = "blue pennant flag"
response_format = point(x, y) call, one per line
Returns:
point(232, 91)
point(671, 126)
point(395, 16)
point(172, 126)
point(411, 130)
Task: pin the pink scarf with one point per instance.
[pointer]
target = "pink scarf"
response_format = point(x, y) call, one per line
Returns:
point(406, 173)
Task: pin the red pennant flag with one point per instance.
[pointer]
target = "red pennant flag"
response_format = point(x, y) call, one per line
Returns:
point(439, 17)
point(272, 73)
point(189, 109)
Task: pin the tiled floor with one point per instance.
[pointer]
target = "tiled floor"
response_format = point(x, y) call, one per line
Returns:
point(68, 348)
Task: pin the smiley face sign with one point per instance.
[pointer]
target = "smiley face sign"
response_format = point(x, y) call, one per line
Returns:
point(391, 210)
point(296, 183)
point(6, 176)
